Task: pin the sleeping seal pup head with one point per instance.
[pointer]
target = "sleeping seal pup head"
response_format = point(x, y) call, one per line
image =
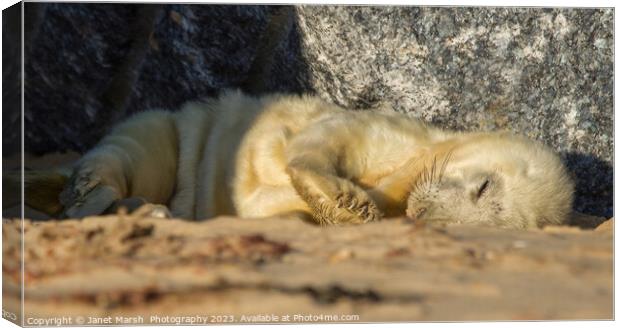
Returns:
point(497, 179)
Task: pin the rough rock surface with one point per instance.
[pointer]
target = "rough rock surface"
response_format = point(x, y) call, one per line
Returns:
point(546, 73)
point(386, 271)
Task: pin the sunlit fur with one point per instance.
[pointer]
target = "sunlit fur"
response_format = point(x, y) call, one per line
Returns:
point(298, 156)
point(524, 184)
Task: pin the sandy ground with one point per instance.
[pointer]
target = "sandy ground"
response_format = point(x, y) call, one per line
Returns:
point(242, 271)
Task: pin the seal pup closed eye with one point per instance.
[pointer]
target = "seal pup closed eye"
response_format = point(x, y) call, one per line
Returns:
point(285, 155)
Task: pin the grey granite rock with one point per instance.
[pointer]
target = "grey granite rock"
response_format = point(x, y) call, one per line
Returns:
point(11, 77)
point(193, 51)
point(546, 73)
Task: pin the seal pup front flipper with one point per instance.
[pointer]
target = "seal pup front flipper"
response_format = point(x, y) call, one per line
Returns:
point(138, 158)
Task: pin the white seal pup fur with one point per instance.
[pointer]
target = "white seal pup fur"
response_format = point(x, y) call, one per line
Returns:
point(283, 155)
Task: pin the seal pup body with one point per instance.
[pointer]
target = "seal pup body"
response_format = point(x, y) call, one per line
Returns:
point(281, 155)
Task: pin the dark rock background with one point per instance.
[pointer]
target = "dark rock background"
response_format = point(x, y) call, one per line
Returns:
point(546, 73)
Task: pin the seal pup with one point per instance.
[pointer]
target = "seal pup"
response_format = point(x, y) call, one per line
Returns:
point(286, 155)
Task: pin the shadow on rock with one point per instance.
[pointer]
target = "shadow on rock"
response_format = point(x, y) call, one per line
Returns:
point(593, 183)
